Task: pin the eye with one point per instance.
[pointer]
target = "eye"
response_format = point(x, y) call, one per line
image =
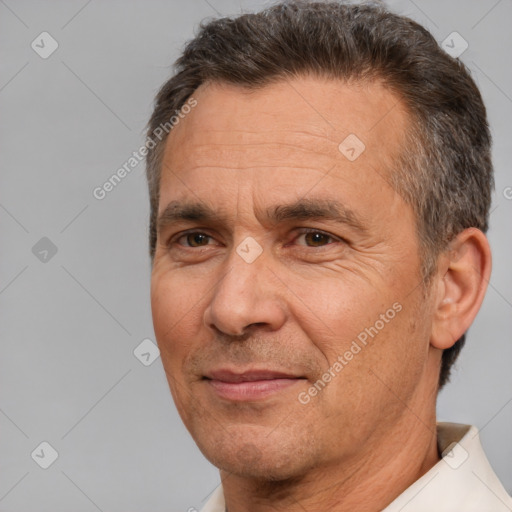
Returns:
point(193, 239)
point(312, 237)
point(315, 237)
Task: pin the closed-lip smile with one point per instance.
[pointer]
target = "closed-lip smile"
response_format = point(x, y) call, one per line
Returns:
point(249, 384)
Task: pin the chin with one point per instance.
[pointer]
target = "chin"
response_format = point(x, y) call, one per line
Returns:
point(264, 457)
point(266, 469)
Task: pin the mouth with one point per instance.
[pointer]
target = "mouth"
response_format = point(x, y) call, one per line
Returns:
point(249, 385)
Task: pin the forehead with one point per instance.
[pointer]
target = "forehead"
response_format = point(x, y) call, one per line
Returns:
point(318, 112)
point(285, 134)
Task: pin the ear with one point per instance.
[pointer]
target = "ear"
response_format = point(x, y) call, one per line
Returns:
point(463, 274)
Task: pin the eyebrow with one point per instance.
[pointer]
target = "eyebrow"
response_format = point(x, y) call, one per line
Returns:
point(302, 209)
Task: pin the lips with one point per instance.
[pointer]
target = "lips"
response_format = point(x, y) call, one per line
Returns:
point(249, 385)
point(248, 375)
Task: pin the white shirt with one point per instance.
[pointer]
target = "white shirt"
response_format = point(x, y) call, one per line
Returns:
point(462, 481)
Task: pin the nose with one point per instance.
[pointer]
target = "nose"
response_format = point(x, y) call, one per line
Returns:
point(248, 294)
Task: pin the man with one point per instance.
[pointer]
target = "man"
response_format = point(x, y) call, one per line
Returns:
point(317, 236)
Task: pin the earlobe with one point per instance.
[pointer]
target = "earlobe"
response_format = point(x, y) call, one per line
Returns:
point(463, 275)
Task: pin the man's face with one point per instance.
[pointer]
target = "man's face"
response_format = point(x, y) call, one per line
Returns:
point(252, 308)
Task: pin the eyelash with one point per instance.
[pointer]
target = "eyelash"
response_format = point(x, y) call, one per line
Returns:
point(301, 231)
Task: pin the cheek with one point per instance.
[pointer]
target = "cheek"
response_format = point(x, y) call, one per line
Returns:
point(367, 338)
point(174, 325)
point(335, 312)
point(175, 309)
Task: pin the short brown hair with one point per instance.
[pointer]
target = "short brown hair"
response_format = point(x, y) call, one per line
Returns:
point(444, 171)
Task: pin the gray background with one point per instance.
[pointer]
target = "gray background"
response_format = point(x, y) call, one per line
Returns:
point(69, 325)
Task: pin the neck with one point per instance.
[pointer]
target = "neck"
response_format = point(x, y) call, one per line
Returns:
point(391, 462)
